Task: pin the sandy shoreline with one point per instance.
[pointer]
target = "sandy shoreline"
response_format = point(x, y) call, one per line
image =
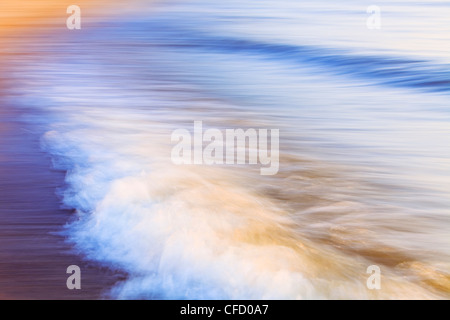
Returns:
point(33, 259)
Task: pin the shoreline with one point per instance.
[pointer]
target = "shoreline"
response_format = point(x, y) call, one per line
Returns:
point(33, 257)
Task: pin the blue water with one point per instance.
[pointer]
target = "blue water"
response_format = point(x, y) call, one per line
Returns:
point(364, 162)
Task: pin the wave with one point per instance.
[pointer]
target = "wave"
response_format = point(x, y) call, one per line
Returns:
point(389, 70)
point(198, 232)
point(212, 232)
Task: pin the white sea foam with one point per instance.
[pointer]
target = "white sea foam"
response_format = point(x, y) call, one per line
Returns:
point(178, 232)
point(184, 232)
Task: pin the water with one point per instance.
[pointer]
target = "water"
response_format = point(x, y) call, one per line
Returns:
point(364, 160)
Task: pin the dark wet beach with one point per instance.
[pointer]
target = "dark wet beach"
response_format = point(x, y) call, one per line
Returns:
point(33, 257)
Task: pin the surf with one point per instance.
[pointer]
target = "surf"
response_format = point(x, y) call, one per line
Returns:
point(356, 185)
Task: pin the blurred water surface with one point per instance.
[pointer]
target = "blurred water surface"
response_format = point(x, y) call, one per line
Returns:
point(364, 160)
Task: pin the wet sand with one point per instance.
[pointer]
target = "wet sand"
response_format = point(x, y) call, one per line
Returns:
point(33, 257)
